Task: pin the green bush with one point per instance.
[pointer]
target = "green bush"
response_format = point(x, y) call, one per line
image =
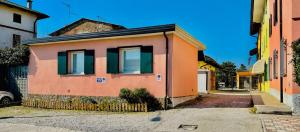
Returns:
point(296, 60)
point(140, 95)
point(14, 56)
point(128, 95)
point(87, 100)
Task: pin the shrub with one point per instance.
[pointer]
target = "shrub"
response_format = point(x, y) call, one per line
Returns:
point(140, 95)
point(14, 56)
point(87, 100)
point(296, 60)
point(128, 95)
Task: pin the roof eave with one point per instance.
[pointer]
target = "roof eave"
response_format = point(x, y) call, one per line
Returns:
point(13, 5)
point(181, 33)
point(257, 12)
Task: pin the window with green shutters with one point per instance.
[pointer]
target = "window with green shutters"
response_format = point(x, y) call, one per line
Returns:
point(112, 60)
point(130, 60)
point(89, 57)
point(78, 62)
point(147, 59)
point(62, 63)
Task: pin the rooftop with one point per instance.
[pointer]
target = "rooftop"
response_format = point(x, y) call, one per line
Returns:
point(117, 33)
point(79, 22)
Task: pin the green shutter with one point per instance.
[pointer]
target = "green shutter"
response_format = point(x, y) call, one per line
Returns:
point(112, 60)
point(266, 75)
point(62, 63)
point(89, 65)
point(147, 59)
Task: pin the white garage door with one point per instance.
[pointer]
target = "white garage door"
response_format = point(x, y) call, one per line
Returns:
point(202, 82)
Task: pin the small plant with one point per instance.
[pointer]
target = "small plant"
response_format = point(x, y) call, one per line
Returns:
point(140, 95)
point(253, 110)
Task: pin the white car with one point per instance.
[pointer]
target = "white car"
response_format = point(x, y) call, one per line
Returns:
point(6, 98)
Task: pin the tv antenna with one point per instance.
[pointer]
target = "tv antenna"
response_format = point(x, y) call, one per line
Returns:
point(69, 8)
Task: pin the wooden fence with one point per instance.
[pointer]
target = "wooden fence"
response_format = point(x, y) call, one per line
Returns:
point(112, 107)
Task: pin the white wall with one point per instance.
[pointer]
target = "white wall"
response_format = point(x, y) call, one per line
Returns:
point(6, 36)
point(6, 18)
point(6, 15)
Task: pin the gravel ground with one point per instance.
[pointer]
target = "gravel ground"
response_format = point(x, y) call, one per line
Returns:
point(208, 119)
point(8, 127)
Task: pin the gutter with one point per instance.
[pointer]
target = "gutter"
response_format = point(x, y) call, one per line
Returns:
point(34, 28)
point(167, 71)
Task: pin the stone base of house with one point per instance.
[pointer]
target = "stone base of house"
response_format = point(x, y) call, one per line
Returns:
point(292, 101)
point(179, 100)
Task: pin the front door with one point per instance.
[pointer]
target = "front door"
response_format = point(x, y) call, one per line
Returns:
point(202, 82)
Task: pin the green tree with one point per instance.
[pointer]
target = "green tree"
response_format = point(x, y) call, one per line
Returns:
point(242, 68)
point(227, 73)
point(12, 57)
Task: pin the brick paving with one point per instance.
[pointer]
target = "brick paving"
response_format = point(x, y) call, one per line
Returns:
point(280, 123)
point(220, 101)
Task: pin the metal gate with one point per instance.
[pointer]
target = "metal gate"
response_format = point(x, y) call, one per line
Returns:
point(17, 81)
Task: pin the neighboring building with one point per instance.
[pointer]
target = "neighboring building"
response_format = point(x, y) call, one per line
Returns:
point(86, 26)
point(206, 73)
point(17, 23)
point(277, 23)
point(162, 59)
point(246, 80)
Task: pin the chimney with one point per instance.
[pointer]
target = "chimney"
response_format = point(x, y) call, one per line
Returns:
point(29, 4)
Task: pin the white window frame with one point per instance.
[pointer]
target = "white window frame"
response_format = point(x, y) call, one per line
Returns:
point(72, 59)
point(121, 60)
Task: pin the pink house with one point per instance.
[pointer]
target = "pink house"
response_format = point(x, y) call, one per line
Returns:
point(162, 59)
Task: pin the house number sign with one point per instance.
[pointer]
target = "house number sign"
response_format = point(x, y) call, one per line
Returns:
point(101, 80)
point(158, 77)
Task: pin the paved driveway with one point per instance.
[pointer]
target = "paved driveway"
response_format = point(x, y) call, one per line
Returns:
point(221, 99)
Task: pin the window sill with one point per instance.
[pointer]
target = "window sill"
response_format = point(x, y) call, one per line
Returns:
point(77, 75)
point(132, 74)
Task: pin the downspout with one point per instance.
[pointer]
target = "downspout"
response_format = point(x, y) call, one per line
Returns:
point(34, 28)
point(281, 39)
point(167, 71)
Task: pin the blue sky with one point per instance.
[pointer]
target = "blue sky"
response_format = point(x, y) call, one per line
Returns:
point(222, 25)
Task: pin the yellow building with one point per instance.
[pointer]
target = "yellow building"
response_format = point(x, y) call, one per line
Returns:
point(246, 80)
point(206, 73)
point(261, 17)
